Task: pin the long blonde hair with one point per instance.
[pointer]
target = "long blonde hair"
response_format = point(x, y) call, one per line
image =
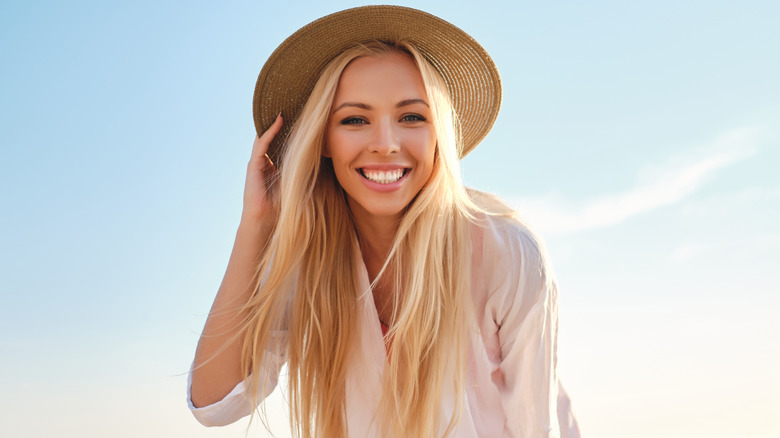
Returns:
point(307, 278)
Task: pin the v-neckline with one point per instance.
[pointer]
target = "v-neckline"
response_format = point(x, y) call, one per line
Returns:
point(377, 329)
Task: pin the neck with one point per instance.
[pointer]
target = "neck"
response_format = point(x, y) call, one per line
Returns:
point(376, 236)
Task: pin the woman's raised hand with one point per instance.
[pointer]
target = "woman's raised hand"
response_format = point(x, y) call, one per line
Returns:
point(260, 198)
point(217, 367)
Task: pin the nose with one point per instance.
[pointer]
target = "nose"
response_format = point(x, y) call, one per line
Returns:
point(385, 139)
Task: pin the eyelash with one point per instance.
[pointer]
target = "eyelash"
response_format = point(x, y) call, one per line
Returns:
point(361, 121)
point(414, 118)
point(353, 121)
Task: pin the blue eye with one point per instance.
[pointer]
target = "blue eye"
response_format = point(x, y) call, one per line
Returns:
point(412, 118)
point(353, 121)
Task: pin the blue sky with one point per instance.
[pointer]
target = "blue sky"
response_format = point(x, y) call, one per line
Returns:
point(641, 139)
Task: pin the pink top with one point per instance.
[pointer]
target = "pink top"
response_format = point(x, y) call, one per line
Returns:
point(512, 386)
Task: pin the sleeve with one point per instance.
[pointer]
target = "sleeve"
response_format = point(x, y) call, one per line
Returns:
point(237, 404)
point(566, 420)
point(524, 303)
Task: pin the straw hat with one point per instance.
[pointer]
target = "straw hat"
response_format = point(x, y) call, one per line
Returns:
point(289, 74)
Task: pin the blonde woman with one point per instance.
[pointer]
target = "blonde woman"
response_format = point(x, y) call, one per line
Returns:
point(403, 304)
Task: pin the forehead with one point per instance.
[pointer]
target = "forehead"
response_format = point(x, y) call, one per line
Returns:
point(393, 72)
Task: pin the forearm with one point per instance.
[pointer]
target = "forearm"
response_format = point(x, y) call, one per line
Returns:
point(216, 369)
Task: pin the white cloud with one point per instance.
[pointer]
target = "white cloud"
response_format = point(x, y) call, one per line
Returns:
point(759, 200)
point(760, 247)
point(658, 186)
point(733, 225)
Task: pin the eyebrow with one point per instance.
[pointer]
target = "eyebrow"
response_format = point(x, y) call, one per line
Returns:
point(400, 104)
point(411, 102)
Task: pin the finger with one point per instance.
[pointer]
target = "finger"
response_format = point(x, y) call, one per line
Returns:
point(260, 146)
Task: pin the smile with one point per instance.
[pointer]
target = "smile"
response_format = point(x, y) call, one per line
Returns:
point(383, 176)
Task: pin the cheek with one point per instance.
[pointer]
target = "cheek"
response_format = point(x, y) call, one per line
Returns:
point(427, 151)
point(327, 146)
point(338, 146)
point(338, 152)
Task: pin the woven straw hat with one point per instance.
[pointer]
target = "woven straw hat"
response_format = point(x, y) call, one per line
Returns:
point(289, 74)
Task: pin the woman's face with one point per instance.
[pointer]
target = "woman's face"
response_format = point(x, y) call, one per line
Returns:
point(380, 135)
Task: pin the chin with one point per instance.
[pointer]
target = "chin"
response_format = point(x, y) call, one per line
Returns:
point(378, 210)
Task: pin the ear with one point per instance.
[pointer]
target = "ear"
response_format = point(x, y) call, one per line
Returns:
point(325, 150)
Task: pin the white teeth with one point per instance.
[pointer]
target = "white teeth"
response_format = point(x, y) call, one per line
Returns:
point(383, 176)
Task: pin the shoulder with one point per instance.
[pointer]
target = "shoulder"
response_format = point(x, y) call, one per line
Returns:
point(500, 231)
point(511, 266)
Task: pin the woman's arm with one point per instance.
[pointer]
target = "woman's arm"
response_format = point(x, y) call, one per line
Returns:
point(216, 368)
point(524, 307)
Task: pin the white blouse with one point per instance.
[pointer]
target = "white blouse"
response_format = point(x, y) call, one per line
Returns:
point(512, 387)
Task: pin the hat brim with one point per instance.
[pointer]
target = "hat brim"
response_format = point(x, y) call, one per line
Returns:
point(288, 76)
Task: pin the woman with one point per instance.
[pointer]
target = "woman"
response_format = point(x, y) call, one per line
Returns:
point(403, 304)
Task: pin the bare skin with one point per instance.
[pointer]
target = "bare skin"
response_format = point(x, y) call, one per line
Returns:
point(216, 368)
point(375, 245)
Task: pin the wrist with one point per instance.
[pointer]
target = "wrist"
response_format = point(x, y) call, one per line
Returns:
point(254, 229)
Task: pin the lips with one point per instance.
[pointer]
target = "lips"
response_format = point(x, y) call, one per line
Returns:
point(383, 176)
